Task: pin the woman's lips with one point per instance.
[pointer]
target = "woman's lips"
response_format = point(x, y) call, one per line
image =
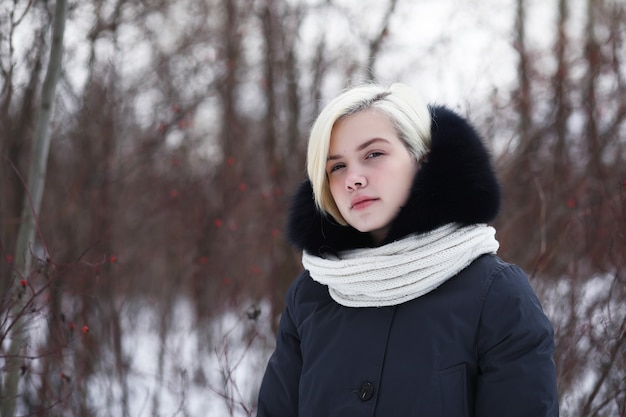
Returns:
point(361, 203)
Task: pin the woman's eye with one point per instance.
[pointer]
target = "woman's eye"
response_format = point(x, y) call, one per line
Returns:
point(374, 154)
point(335, 168)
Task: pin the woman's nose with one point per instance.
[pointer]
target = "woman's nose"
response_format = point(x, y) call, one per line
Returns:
point(355, 180)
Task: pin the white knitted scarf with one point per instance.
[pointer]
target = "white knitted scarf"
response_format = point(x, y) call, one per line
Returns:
point(402, 270)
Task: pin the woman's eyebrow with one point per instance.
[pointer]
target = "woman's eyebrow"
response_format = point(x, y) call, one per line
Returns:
point(359, 148)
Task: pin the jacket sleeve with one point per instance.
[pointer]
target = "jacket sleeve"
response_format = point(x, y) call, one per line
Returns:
point(278, 395)
point(516, 375)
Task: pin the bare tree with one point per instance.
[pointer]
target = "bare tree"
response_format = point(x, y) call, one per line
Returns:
point(185, 137)
point(30, 209)
point(564, 200)
point(17, 117)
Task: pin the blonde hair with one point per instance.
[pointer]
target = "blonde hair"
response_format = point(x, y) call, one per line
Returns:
point(408, 113)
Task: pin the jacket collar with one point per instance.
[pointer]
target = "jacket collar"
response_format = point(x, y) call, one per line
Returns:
point(456, 183)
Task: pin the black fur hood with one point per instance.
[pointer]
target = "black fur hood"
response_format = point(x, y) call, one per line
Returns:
point(455, 183)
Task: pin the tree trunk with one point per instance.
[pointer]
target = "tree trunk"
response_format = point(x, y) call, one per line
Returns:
point(31, 205)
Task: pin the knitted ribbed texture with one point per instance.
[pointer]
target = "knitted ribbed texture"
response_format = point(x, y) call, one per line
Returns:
point(402, 270)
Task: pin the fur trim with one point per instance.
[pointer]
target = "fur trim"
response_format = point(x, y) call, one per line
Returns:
point(455, 184)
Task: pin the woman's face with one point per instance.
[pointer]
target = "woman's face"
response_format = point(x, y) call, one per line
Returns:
point(370, 171)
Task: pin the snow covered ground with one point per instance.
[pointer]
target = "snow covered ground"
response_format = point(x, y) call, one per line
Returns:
point(188, 369)
point(174, 366)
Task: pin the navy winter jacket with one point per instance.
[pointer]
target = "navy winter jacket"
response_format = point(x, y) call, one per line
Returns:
point(477, 346)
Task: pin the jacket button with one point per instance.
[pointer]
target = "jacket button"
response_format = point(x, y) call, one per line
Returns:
point(366, 391)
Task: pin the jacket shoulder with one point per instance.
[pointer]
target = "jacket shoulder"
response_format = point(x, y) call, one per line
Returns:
point(500, 278)
point(479, 276)
point(514, 335)
point(305, 295)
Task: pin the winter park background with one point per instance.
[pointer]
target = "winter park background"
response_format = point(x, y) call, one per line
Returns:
point(158, 264)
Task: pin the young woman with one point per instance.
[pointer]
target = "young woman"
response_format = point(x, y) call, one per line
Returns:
point(403, 308)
